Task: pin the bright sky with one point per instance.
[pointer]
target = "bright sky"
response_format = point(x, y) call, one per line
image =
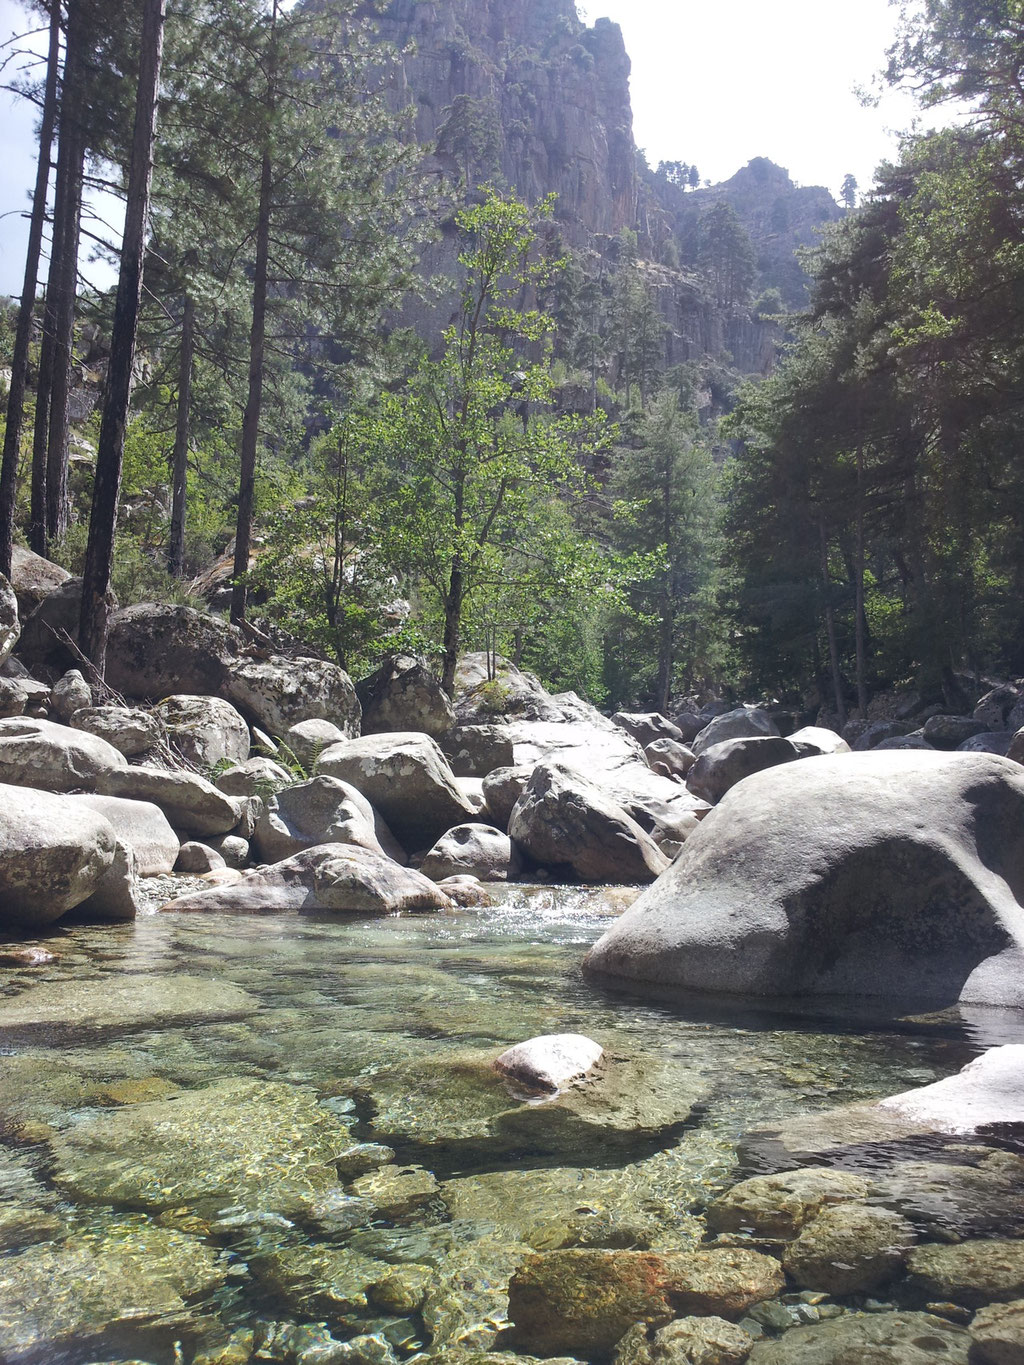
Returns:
point(718, 84)
point(712, 84)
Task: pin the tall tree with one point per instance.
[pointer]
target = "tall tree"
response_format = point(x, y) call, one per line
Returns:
point(117, 397)
point(26, 310)
point(465, 457)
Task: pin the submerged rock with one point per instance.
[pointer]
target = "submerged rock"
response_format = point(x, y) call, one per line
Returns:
point(849, 1249)
point(988, 1091)
point(780, 1205)
point(885, 874)
point(258, 1144)
point(132, 1278)
point(878, 1338)
point(586, 1301)
point(317, 1281)
point(687, 1341)
point(972, 1273)
point(124, 1001)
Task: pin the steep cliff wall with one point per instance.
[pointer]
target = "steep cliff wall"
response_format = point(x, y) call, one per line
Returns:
point(521, 92)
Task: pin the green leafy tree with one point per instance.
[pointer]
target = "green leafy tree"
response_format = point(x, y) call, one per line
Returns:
point(465, 460)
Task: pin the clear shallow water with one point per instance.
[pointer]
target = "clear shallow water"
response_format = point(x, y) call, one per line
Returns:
point(384, 1029)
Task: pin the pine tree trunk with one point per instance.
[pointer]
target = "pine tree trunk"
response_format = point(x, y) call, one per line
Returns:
point(179, 462)
point(107, 487)
point(453, 607)
point(254, 402)
point(830, 628)
point(861, 633)
point(64, 309)
point(23, 333)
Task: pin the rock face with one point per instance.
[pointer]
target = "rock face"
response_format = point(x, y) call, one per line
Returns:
point(54, 853)
point(39, 753)
point(278, 693)
point(155, 651)
point(477, 750)
point(889, 875)
point(551, 94)
point(475, 851)
point(323, 810)
point(407, 778)
point(586, 1301)
point(42, 646)
point(205, 730)
point(403, 694)
point(563, 820)
point(334, 877)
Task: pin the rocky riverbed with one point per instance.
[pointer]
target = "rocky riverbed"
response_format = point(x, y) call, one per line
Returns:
point(231, 1139)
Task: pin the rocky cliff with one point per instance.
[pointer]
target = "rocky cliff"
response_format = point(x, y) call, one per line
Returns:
point(520, 92)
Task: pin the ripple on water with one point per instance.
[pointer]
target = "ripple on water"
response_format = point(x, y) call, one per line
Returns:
point(209, 1071)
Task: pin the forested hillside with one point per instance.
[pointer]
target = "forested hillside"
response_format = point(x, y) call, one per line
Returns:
point(426, 357)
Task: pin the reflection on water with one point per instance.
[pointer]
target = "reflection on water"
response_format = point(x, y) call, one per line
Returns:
point(169, 1165)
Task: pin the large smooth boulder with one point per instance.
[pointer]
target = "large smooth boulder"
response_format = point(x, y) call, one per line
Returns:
point(669, 757)
point(131, 731)
point(562, 820)
point(720, 767)
point(824, 740)
point(547, 1064)
point(407, 778)
point(403, 694)
point(891, 875)
point(503, 788)
point(33, 578)
point(746, 722)
point(323, 810)
point(143, 827)
point(190, 802)
point(205, 730)
point(332, 877)
point(54, 852)
point(255, 777)
point(278, 692)
point(472, 850)
point(489, 689)
point(39, 753)
point(155, 651)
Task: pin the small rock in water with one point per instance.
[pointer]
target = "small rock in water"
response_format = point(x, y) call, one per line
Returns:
point(550, 1062)
point(26, 957)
